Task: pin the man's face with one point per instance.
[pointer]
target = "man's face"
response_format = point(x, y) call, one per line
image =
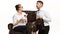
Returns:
point(39, 5)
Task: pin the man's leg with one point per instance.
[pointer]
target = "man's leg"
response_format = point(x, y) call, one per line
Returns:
point(46, 31)
point(41, 32)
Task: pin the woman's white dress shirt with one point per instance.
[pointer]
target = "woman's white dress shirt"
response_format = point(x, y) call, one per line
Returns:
point(18, 17)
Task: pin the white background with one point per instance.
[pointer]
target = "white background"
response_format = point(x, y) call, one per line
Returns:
point(7, 10)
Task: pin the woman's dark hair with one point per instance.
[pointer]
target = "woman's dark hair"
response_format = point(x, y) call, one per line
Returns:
point(17, 6)
point(40, 2)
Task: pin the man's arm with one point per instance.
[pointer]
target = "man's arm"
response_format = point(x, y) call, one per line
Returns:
point(45, 17)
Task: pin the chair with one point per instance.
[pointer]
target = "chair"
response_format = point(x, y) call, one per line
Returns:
point(31, 18)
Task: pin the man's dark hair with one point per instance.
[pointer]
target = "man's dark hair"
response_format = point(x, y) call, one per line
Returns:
point(40, 2)
point(17, 6)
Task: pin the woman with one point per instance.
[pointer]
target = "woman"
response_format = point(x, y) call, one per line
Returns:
point(20, 20)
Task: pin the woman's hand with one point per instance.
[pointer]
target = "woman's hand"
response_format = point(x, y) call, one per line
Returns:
point(21, 20)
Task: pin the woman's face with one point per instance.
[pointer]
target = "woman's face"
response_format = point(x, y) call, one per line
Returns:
point(20, 8)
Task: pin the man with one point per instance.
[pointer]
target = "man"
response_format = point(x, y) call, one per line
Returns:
point(43, 15)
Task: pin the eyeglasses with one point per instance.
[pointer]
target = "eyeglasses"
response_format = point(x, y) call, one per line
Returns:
point(20, 7)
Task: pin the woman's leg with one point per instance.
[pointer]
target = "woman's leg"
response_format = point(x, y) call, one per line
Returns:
point(27, 30)
point(23, 29)
point(18, 29)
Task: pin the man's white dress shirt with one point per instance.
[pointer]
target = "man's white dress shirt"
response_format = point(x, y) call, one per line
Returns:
point(46, 16)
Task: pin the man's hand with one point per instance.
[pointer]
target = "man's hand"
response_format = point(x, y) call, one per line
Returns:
point(39, 17)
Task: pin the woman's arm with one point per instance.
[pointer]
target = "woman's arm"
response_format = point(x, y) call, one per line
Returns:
point(18, 21)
